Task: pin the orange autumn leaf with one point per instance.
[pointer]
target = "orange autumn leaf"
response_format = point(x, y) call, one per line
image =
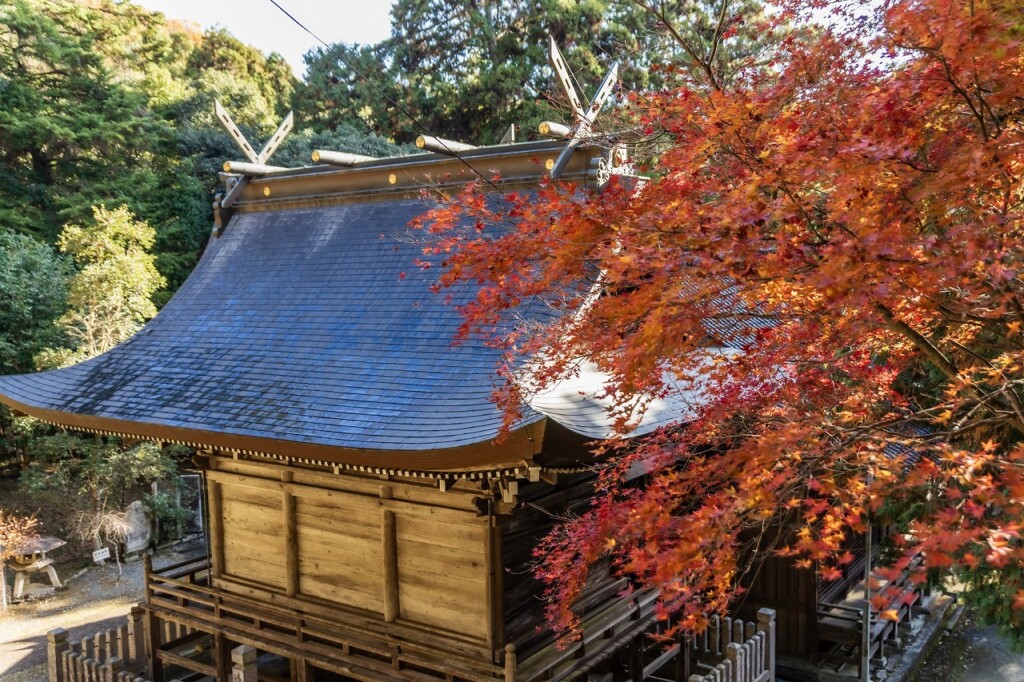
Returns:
point(848, 225)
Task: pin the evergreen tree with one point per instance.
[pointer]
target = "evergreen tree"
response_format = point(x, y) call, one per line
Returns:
point(33, 293)
point(468, 69)
point(111, 295)
point(71, 136)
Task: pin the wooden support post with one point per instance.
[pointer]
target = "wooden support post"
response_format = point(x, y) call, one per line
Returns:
point(291, 539)
point(136, 634)
point(112, 668)
point(636, 659)
point(68, 666)
point(391, 602)
point(152, 637)
point(510, 662)
point(303, 671)
point(735, 656)
point(766, 624)
point(147, 570)
point(495, 590)
point(119, 642)
point(221, 656)
point(107, 641)
point(683, 658)
point(243, 664)
point(56, 645)
point(216, 538)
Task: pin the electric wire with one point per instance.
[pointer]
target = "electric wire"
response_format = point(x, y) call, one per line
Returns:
point(388, 99)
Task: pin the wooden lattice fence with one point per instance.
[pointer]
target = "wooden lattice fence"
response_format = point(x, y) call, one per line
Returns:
point(745, 650)
point(114, 655)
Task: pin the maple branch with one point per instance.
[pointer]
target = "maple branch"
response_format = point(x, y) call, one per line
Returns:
point(927, 347)
point(1007, 389)
point(661, 16)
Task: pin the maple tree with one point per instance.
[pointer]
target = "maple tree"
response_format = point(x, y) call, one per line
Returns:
point(849, 217)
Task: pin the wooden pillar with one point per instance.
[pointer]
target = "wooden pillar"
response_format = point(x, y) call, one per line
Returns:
point(291, 539)
point(636, 659)
point(736, 656)
point(682, 671)
point(303, 670)
point(56, 645)
point(495, 589)
point(510, 662)
point(243, 664)
point(766, 624)
point(221, 656)
point(152, 636)
point(391, 602)
point(216, 538)
point(112, 668)
point(136, 634)
point(147, 571)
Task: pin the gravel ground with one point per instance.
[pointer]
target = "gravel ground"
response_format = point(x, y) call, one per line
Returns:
point(971, 652)
point(95, 599)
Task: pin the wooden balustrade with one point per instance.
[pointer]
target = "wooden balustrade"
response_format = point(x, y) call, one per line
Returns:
point(114, 655)
point(747, 649)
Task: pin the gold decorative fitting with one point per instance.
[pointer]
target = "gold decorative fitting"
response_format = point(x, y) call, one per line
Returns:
point(266, 190)
point(549, 164)
point(392, 178)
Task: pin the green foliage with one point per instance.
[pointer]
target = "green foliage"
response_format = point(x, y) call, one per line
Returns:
point(111, 295)
point(33, 293)
point(69, 130)
point(465, 70)
point(106, 103)
point(102, 471)
point(691, 33)
point(169, 510)
point(994, 594)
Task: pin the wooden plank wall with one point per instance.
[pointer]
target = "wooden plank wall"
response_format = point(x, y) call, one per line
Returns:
point(541, 506)
point(394, 551)
point(253, 536)
point(339, 550)
point(779, 585)
point(442, 578)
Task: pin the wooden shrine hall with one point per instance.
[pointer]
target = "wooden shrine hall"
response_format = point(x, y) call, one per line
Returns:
point(363, 521)
point(364, 524)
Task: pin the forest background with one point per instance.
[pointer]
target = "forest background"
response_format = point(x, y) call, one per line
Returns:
point(110, 154)
point(857, 185)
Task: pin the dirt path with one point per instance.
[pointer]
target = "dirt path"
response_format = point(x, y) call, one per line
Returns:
point(95, 599)
point(970, 652)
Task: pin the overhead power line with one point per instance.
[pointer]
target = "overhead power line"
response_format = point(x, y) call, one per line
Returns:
point(426, 131)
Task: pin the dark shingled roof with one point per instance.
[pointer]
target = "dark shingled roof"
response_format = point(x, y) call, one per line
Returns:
point(297, 325)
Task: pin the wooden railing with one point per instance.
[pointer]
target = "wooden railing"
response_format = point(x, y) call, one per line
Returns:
point(179, 595)
point(841, 625)
point(746, 650)
point(114, 655)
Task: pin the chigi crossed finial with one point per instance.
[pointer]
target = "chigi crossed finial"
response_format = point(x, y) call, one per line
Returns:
point(583, 125)
point(257, 164)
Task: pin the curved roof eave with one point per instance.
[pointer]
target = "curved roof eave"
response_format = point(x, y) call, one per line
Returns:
point(307, 331)
point(517, 446)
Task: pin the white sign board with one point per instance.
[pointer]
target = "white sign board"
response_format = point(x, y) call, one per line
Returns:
point(100, 554)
